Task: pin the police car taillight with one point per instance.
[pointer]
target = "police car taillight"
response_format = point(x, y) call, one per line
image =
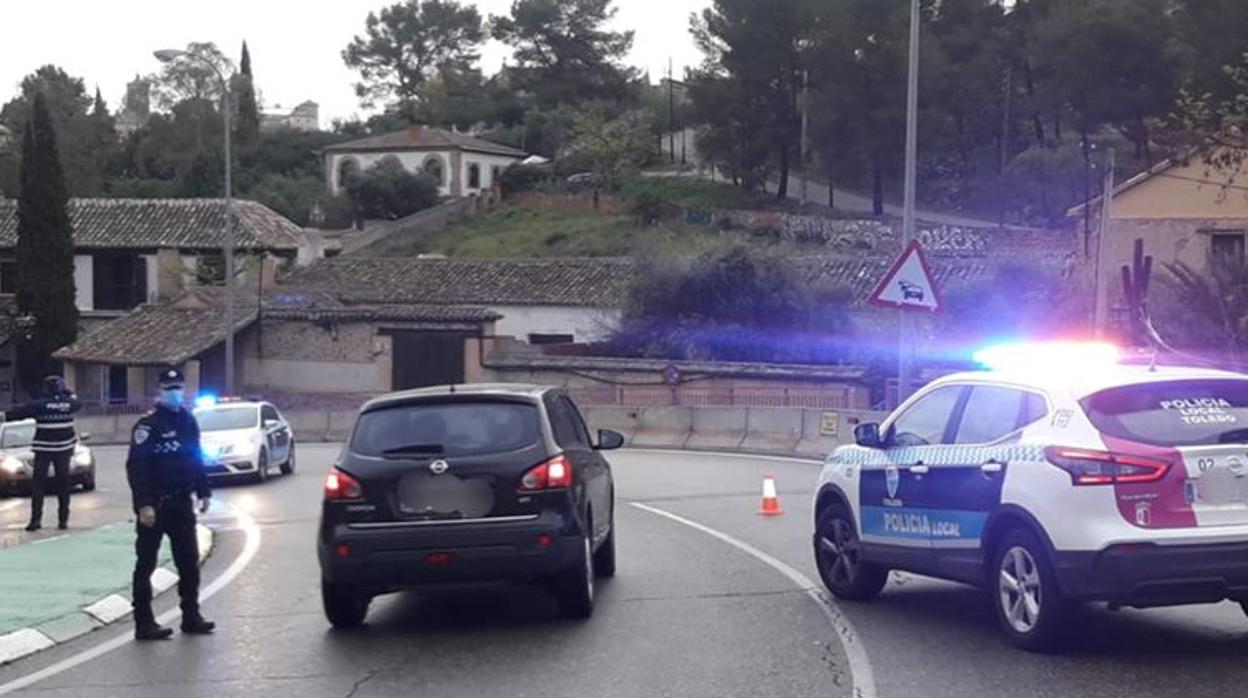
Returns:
point(340, 486)
point(1087, 467)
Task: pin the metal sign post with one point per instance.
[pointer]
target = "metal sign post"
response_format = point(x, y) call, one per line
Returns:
point(906, 340)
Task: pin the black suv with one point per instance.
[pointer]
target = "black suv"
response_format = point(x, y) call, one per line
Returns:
point(467, 484)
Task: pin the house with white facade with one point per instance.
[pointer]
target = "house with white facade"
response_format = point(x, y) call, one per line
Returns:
point(462, 165)
point(306, 117)
point(132, 252)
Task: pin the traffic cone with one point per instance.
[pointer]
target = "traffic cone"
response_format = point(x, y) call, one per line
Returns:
point(771, 502)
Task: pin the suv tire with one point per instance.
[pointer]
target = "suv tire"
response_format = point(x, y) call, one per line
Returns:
point(345, 606)
point(575, 587)
point(1030, 607)
point(838, 557)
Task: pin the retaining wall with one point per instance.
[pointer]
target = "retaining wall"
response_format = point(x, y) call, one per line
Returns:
point(764, 430)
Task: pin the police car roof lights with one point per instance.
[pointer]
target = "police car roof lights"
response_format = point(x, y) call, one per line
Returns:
point(206, 400)
point(1048, 355)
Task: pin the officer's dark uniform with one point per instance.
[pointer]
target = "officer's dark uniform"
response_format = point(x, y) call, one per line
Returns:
point(53, 446)
point(165, 468)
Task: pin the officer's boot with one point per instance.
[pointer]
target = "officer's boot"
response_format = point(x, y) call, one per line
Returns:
point(146, 627)
point(195, 624)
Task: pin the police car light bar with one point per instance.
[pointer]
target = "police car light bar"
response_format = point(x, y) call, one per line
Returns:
point(206, 400)
point(1031, 355)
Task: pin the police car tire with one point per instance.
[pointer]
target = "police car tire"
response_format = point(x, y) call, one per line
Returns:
point(345, 606)
point(1058, 615)
point(866, 580)
point(262, 466)
point(88, 482)
point(289, 466)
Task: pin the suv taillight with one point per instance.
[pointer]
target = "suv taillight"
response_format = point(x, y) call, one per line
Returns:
point(554, 474)
point(1104, 468)
point(340, 486)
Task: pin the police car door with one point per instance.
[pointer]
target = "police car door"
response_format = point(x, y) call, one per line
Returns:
point(276, 433)
point(894, 495)
point(964, 482)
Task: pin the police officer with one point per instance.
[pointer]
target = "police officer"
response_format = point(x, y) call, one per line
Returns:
point(166, 471)
point(53, 446)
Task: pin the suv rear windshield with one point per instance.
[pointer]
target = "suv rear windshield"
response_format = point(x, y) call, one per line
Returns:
point(448, 429)
point(1174, 413)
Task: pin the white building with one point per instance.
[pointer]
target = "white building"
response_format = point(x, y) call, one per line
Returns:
point(305, 117)
point(462, 165)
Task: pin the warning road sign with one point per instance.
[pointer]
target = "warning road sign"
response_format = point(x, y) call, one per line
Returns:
point(909, 284)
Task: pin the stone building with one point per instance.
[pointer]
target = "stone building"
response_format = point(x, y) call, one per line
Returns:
point(462, 165)
point(305, 117)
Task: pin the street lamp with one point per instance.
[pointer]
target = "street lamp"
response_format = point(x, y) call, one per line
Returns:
point(169, 56)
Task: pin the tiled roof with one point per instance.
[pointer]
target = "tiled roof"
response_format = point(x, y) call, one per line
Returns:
point(194, 224)
point(155, 335)
point(424, 138)
point(584, 282)
point(171, 333)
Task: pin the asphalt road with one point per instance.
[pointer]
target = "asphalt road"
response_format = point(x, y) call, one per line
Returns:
point(691, 613)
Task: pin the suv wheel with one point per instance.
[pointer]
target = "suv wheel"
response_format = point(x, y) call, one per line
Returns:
point(88, 482)
point(345, 606)
point(575, 587)
point(289, 466)
point(838, 555)
point(604, 558)
point(262, 466)
point(1031, 609)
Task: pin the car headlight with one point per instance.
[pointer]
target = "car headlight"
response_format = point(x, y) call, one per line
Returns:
point(12, 465)
point(82, 458)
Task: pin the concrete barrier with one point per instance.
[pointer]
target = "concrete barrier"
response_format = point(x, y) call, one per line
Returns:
point(625, 420)
point(309, 426)
point(772, 430)
point(664, 427)
point(101, 429)
point(717, 428)
point(340, 425)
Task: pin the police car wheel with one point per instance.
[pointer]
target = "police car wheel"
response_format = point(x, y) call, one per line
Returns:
point(262, 466)
point(88, 482)
point(838, 555)
point(289, 466)
point(345, 606)
point(1031, 609)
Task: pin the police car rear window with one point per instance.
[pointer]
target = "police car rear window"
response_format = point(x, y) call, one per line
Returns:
point(448, 429)
point(1173, 413)
point(227, 418)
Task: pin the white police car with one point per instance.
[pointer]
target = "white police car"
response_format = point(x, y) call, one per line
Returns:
point(244, 438)
point(1061, 477)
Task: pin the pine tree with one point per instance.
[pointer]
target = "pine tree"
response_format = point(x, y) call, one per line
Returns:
point(45, 252)
point(245, 95)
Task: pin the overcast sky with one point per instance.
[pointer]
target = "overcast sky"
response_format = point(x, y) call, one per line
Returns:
point(295, 44)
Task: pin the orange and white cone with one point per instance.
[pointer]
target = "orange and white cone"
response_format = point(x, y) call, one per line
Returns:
point(771, 502)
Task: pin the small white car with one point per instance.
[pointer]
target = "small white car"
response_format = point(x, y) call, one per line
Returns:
point(17, 460)
point(243, 438)
point(1060, 481)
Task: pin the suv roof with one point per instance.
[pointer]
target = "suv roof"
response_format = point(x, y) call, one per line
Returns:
point(1081, 383)
point(480, 389)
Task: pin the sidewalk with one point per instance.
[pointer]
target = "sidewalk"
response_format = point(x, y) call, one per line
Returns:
point(58, 588)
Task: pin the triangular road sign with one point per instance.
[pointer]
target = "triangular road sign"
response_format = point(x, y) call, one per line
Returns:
point(909, 284)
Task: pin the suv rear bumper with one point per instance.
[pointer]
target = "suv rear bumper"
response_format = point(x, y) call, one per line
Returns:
point(1144, 574)
point(398, 555)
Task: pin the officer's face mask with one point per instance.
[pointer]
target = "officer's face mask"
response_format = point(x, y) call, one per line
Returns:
point(172, 397)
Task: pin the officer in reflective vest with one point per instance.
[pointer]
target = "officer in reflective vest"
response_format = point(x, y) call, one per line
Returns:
point(166, 473)
point(53, 446)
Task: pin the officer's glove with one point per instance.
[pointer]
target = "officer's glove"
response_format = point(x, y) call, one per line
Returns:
point(147, 516)
point(204, 504)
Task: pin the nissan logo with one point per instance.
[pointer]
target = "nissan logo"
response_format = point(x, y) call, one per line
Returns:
point(439, 466)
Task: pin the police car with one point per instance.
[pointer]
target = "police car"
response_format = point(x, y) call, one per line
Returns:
point(1063, 475)
point(244, 438)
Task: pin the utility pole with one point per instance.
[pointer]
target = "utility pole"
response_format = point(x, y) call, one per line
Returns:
point(805, 131)
point(907, 339)
point(671, 111)
point(1102, 284)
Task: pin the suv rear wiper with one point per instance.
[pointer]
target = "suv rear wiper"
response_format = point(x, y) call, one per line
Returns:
point(414, 449)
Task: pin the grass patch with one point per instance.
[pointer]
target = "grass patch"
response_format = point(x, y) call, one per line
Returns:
point(693, 192)
point(528, 231)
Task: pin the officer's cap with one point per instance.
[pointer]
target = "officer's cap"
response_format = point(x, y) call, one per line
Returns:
point(171, 378)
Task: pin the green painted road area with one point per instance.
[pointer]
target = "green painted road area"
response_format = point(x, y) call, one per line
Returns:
point(53, 577)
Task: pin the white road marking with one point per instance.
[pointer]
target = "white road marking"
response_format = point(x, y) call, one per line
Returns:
point(855, 653)
point(250, 548)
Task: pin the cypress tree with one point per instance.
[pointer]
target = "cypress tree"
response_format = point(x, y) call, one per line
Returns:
point(245, 93)
point(45, 252)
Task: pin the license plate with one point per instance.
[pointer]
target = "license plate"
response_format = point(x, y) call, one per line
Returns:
point(445, 497)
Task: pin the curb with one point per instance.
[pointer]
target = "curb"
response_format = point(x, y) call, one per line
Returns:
point(110, 609)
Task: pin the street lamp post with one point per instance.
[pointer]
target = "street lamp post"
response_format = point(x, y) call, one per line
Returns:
point(905, 362)
point(168, 56)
